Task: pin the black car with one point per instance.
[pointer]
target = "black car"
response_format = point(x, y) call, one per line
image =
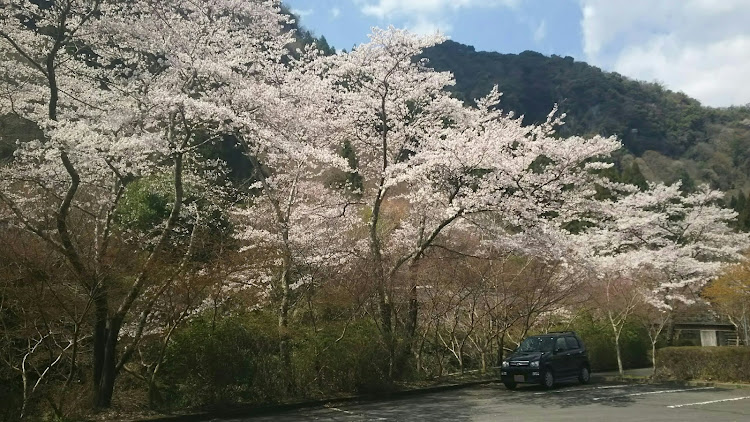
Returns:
point(546, 359)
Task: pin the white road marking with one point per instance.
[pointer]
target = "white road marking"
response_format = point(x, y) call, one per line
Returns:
point(675, 406)
point(655, 392)
point(567, 390)
point(355, 414)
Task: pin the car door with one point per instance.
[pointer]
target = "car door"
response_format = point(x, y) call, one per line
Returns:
point(574, 354)
point(560, 359)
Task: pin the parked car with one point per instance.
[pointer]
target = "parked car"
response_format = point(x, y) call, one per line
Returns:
point(547, 359)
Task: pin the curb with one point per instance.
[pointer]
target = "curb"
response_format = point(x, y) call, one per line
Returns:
point(618, 378)
point(648, 380)
point(251, 411)
point(700, 383)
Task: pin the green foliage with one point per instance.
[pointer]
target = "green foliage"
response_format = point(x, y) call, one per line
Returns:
point(728, 364)
point(11, 394)
point(350, 181)
point(741, 205)
point(633, 176)
point(644, 115)
point(622, 173)
point(236, 360)
point(329, 363)
point(599, 339)
point(145, 204)
point(229, 360)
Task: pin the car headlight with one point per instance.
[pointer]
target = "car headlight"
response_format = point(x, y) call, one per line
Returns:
point(534, 364)
point(505, 364)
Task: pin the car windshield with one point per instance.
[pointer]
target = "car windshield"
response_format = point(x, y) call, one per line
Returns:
point(536, 344)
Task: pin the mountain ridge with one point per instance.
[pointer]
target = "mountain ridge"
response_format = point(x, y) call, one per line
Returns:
point(670, 135)
point(644, 115)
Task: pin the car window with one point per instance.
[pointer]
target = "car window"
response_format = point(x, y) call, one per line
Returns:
point(572, 343)
point(560, 344)
point(536, 344)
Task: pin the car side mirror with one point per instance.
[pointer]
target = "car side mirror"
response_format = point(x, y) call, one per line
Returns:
point(558, 350)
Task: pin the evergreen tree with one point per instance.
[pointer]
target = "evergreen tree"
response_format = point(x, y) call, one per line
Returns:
point(688, 183)
point(633, 176)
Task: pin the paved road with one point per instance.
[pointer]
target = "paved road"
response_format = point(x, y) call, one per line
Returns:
point(492, 402)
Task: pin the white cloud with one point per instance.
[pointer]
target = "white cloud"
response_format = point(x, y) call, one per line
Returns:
point(700, 47)
point(335, 12)
point(387, 8)
point(540, 33)
point(303, 12)
point(426, 16)
point(429, 27)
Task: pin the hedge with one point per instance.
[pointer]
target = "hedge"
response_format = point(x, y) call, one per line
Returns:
point(236, 360)
point(597, 335)
point(726, 364)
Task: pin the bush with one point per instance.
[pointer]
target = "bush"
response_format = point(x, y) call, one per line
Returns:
point(10, 395)
point(728, 364)
point(237, 360)
point(357, 362)
point(599, 340)
point(227, 361)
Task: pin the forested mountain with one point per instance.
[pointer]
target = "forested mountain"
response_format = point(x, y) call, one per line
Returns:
point(669, 135)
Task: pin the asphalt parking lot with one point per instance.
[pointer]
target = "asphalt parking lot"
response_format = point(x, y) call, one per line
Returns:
point(593, 402)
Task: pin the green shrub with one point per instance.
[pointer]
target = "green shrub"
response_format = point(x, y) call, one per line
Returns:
point(728, 364)
point(10, 395)
point(599, 339)
point(227, 361)
point(327, 363)
point(237, 360)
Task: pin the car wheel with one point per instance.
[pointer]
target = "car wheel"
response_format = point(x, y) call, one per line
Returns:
point(584, 376)
point(510, 385)
point(548, 379)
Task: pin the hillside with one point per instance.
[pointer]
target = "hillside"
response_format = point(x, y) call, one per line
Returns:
point(672, 135)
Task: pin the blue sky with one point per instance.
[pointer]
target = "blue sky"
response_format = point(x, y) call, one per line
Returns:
point(552, 29)
point(700, 47)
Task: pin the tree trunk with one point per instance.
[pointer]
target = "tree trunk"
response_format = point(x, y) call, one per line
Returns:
point(669, 340)
point(440, 353)
point(105, 385)
point(501, 349)
point(284, 343)
point(101, 310)
point(73, 354)
point(154, 397)
point(413, 312)
point(419, 353)
point(619, 356)
point(384, 305)
point(284, 320)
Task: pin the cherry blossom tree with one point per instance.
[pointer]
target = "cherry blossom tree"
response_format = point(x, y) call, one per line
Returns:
point(428, 161)
point(393, 106)
point(122, 90)
point(663, 245)
point(302, 223)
